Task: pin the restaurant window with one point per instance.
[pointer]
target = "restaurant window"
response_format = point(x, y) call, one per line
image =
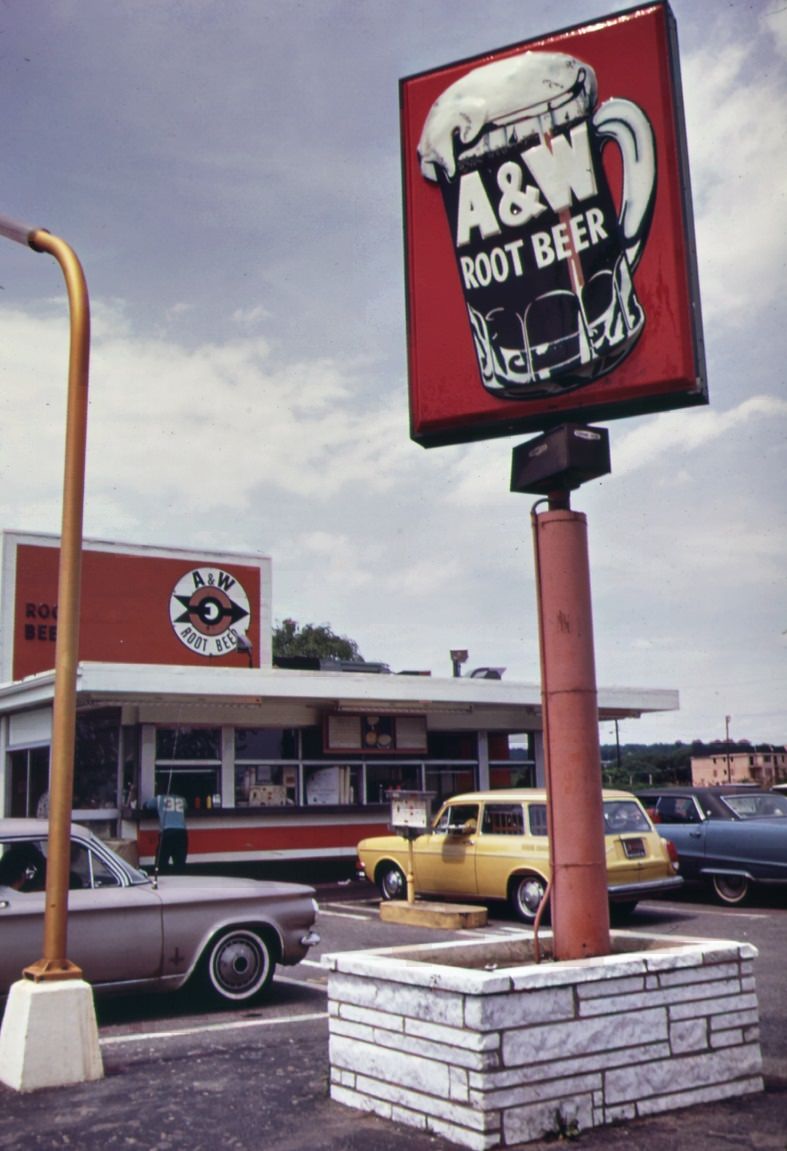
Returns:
point(312, 742)
point(383, 777)
point(445, 780)
point(188, 743)
point(261, 778)
point(453, 745)
point(188, 763)
point(514, 773)
point(331, 784)
point(29, 779)
point(96, 760)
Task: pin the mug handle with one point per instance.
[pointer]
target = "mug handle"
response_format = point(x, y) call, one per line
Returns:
point(629, 127)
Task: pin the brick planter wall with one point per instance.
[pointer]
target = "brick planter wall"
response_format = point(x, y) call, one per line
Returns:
point(478, 1044)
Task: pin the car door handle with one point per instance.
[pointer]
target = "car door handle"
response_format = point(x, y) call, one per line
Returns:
point(4, 903)
point(695, 834)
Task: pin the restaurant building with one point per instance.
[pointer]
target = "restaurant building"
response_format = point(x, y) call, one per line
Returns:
point(177, 691)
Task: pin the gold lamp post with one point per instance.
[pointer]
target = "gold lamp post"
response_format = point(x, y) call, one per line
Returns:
point(54, 965)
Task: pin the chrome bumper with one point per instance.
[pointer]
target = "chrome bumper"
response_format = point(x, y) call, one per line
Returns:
point(644, 889)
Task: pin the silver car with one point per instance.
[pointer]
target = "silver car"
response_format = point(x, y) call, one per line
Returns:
point(129, 932)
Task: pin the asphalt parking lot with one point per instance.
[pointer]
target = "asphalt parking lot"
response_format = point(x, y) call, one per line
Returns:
point(180, 1075)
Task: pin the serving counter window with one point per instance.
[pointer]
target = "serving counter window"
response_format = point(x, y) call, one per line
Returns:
point(284, 767)
point(265, 784)
point(29, 769)
point(332, 784)
point(261, 778)
point(447, 779)
point(97, 760)
point(384, 777)
point(96, 770)
point(188, 763)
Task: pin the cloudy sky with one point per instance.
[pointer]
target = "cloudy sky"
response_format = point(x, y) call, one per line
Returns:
point(229, 176)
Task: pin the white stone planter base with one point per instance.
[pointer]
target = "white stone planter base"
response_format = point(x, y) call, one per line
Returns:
point(476, 1043)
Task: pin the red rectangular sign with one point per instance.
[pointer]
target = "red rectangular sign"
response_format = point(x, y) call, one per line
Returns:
point(136, 609)
point(550, 261)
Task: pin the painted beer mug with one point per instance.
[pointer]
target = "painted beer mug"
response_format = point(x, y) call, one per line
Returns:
point(544, 256)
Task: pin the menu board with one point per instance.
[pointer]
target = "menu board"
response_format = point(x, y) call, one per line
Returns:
point(373, 734)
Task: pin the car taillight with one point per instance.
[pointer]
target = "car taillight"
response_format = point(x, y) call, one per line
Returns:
point(672, 852)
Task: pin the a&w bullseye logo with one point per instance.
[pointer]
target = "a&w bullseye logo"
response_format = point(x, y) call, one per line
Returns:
point(209, 610)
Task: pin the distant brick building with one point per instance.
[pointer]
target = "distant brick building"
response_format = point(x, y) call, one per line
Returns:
point(763, 765)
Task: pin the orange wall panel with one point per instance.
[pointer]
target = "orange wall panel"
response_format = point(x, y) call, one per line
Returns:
point(125, 610)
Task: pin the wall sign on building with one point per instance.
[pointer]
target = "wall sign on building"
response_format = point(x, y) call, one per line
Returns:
point(550, 259)
point(139, 605)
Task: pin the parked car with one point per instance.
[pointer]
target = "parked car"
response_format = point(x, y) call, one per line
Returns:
point(129, 932)
point(731, 837)
point(492, 845)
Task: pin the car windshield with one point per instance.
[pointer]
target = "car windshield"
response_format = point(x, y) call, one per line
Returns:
point(457, 819)
point(760, 804)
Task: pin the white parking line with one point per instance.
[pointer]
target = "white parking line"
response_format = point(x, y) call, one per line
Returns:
point(741, 914)
point(313, 984)
point(342, 914)
point(147, 1036)
point(704, 909)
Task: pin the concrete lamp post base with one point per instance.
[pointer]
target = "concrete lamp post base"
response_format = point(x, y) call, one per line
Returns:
point(449, 916)
point(49, 1036)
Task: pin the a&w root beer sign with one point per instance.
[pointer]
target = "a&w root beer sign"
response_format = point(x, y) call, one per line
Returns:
point(549, 242)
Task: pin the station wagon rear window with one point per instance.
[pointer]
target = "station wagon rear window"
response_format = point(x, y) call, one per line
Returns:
point(622, 815)
point(537, 817)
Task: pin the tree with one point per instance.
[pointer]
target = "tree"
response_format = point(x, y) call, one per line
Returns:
point(643, 764)
point(316, 641)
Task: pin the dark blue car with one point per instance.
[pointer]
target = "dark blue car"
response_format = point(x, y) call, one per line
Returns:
point(731, 837)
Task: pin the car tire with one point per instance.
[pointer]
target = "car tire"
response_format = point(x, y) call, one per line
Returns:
point(391, 881)
point(731, 889)
point(238, 965)
point(622, 910)
point(525, 895)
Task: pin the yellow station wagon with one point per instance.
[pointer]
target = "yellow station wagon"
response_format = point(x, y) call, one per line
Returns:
point(492, 845)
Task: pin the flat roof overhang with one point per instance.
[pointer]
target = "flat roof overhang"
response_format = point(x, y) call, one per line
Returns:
point(170, 693)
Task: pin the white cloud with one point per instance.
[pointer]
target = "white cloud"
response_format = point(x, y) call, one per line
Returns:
point(775, 26)
point(738, 159)
point(251, 317)
point(672, 433)
point(201, 430)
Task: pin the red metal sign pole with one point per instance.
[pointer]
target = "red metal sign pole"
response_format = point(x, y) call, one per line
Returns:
point(579, 903)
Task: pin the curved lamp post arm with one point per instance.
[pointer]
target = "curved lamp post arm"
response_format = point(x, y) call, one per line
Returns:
point(54, 965)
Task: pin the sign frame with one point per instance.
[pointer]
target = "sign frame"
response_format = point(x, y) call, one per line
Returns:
point(666, 366)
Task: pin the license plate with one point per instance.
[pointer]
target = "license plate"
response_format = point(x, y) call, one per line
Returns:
point(634, 848)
